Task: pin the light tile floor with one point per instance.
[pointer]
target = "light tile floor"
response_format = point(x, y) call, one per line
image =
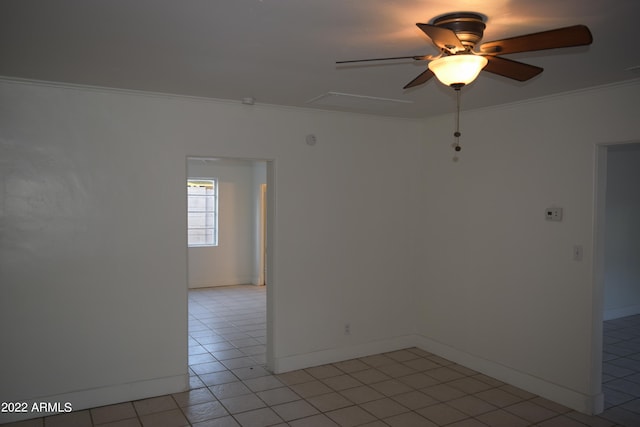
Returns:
point(621, 369)
point(231, 387)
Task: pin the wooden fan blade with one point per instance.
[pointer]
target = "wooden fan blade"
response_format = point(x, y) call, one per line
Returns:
point(512, 69)
point(422, 78)
point(442, 37)
point(415, 57)
point(577, 35)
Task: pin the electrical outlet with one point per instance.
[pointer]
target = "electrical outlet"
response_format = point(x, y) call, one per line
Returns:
point(347, 328)
point(553, 214)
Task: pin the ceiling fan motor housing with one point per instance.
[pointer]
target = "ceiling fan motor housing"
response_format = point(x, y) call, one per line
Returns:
point(468, 26)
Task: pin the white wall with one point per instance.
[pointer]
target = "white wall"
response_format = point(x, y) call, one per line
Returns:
point(93, 288)
point(374, 226)
point(502, 292)
point(622, 232)
point(233, 261)
point(93, 295)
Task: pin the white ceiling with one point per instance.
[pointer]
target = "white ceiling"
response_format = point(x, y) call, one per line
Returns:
point(284, 51)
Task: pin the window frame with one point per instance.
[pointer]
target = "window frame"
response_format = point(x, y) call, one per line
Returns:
point(208, 209)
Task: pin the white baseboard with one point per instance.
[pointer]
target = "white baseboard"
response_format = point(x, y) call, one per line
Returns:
point(230, 282)
point(615, 313)
point(307, 360)
point(586, 404)
point(92, 398)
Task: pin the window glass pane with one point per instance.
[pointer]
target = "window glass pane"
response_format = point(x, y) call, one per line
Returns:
point(202, 215)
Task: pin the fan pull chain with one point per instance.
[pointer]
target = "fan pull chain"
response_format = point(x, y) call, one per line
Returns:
point(456, 134)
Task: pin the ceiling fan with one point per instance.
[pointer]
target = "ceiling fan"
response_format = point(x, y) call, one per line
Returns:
point(458, 64)
point(457, 34)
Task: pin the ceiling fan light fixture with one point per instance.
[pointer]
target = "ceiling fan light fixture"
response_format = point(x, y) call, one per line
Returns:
point(457, 70)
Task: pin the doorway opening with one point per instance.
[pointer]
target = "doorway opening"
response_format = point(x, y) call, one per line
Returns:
point(230, 283)
point(617, 276)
